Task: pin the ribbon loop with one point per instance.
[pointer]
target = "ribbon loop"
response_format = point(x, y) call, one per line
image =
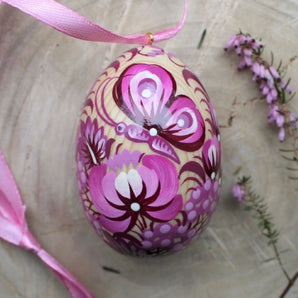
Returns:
point(73, 24)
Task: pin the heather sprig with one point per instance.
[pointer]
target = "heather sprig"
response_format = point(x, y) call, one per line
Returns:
point(252, 201)
point(274, 88)
point(271, 83)
point(245, 195)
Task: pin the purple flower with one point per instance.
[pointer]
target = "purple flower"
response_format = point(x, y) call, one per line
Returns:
point(247, 52)
point(151, 51)
point(284, 85)
point(265, 90)
point(292, 119)
point(133, 188)
point(281, 134)
point(274, 73)
point(273, 113)
point(230, 42)
point(256, 68)
point(280, 120)
point(238, 192)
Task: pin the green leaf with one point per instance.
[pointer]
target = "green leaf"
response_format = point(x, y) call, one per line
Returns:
point(287, 84)
point(288, 158)
point(272, 58)
point(279, 66)
point(286, 150)
point(109, 269)
point(269, 260)
point(236, 172)
point(291, 169)
point(202, 38)
point(247, 208)
point(291, 97)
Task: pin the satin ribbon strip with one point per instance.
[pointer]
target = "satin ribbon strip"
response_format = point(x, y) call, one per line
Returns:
point(73, 24)
point(14, 229)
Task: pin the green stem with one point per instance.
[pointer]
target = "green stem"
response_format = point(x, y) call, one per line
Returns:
point(289, 285)
point(277, 255)
point(269, 232)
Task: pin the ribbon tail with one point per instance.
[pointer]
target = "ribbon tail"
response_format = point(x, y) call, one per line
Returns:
point(169, 33)
point(72, 284)
point(14, 229)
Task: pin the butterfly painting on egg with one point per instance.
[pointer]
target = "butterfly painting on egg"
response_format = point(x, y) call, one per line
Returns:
point(147, 95)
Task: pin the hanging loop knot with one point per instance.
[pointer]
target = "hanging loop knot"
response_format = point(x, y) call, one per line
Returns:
point(29, 242)
point(150, 38)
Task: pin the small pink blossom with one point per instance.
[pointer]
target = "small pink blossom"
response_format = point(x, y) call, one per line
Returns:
point(262, 71)
point(242, 64)
point(247, 52)
point(284, 85)
point(269, 98)
point(248, 61)
point(281, 134)
point(274, 93)
point(292, 119)
point(289, 90)
point(230, 42)
point(280, 120)
point(255, 68)
point(273, 112)
point(271, 95)
point(269, 78)
point(238, 192)
point(238, 51)
point(265, 90)
point(274, 73)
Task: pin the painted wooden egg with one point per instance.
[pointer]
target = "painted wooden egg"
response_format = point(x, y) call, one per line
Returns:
point(148, 154)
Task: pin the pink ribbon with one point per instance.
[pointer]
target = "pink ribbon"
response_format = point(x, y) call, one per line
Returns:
point(71, 23)
point(14, 229)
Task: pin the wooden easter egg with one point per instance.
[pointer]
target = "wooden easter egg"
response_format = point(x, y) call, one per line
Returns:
point(148, 154)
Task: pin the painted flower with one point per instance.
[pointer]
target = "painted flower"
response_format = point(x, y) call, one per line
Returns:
point(93, 145)
point(146, 94)
point(151, 51)
point(203, 200)
point(191, 221)
point(132, 188)
point(81, 177)
point(123, 243)
point(212, 157)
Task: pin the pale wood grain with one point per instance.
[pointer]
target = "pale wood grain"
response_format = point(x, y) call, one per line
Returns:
point(44, 78)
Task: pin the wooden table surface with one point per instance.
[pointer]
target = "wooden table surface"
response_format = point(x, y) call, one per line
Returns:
point(44, 78)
